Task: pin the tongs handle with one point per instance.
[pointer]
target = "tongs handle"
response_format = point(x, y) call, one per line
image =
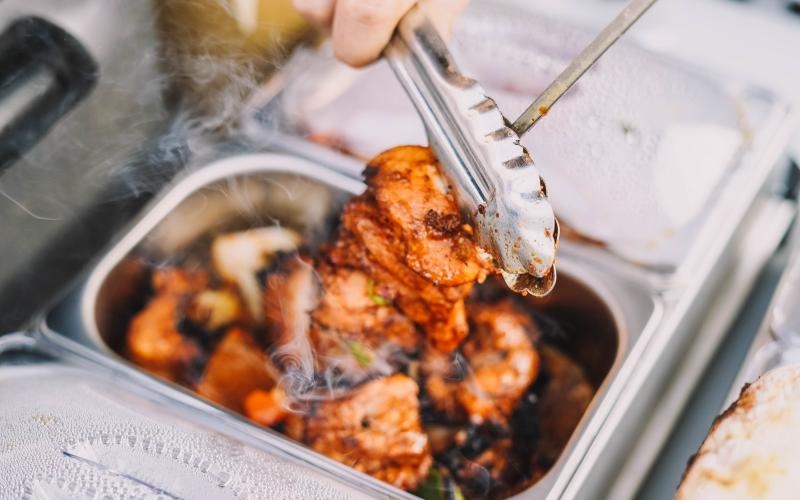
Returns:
point(539, 108)
point(425, 68)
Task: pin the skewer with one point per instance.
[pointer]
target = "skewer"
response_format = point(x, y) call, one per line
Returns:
point(539, 108)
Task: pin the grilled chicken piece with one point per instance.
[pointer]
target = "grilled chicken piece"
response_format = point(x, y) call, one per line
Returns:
point(415, 202)
point(238, 257)
point(156, 337)
point(358, 332)
point(481, 459)
point(353, 304)
point(438, 310)
point(154, 341)
point(405, 232)
point(495, 367)
point(376, 430)
point(502, 360)
point(237, 367)
point(441, 374)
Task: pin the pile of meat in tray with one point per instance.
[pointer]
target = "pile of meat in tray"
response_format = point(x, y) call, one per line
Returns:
point(377, 350)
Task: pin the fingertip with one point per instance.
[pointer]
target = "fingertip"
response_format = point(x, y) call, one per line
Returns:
point(371, 14)
point(355, 58)
point(444, 13)
point(319, 12)
point(362, 28)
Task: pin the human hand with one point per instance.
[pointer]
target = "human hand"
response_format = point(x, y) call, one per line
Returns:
point(360, 29)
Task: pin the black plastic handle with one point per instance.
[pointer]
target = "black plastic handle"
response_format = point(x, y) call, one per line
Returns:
point(44, 73)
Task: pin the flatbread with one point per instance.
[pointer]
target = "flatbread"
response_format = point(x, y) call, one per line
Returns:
point(753, 448)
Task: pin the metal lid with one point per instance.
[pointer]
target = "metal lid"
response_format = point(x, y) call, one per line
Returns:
point(71, 432)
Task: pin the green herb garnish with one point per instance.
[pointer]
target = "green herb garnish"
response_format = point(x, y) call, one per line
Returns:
point(413, 370)
point(377, 298)
point(361, 353)
point(438, 487)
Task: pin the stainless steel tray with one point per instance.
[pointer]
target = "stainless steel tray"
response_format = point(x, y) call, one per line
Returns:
point(257, 188)
point(654, 323)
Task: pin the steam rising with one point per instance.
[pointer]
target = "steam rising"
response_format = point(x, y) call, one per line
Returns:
point(295, 355)
point(211, 59)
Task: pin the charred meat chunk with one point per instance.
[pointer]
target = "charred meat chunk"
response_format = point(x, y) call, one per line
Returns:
point(356, 331)
point(237, 367)
point(502, 360)
point(480, 459)
point(167, 335)
point(154, 340)
point(376, 430)
point(155, 343)
point(496, 365)
point(405, 232)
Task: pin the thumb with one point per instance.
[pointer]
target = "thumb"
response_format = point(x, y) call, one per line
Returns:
point(444, 13)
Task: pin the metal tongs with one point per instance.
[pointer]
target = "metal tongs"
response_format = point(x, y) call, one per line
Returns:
point(493, 175)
